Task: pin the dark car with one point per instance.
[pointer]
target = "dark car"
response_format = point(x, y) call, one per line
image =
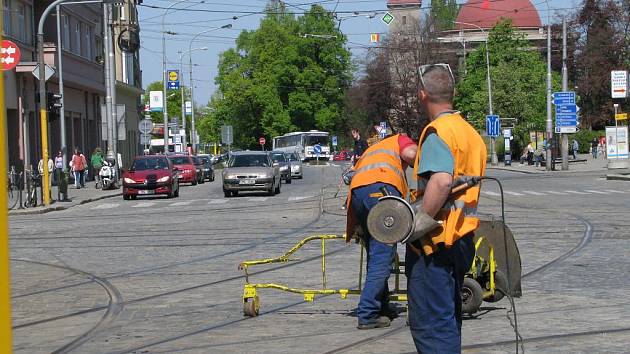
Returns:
point(150, 175)
point(208, 169)
point(187, 173)
point(281, 160)
point(199, 165)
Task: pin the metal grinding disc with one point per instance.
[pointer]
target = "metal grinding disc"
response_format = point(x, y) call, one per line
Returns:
point(390, 220)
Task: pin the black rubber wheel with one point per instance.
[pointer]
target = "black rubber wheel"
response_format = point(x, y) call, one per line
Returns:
point(194, 183)
point(212, 177)
point(272, 189)
point(202, 181)
point(472, 296)
point(300, 177)
point(126, 197)
point(251, 307)
point(500, 282)
point(227, 194)
point(133, 197)
point(176, 194)
point(289, 180)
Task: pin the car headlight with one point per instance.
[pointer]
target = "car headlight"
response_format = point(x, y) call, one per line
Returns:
point(128, 180)
point(264, 175)
point(164, 179)
point(284, 168)
point(229, 176)
point(295, 167)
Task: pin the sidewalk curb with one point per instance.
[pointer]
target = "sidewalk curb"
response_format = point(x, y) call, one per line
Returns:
point(63, 207)
point(512, 170)
point(618, 177)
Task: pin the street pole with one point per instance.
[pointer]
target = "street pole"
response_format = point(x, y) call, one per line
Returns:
point(62, 110)
point(181, 65)
point(193, 132)
point(109, 108)
point(565, 88)
point(549, 120)
point(494, 160)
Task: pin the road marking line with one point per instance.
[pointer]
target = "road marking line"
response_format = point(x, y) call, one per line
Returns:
point(293, 199)
point(613, 191)
point(576, 192)
point(181, 203)
point(217, 201)
point(257, 199)
point(494, 194)
point(513, 193)
point(597, 192)
point(556, 193)
point(143, 205)
point(106, 206)
point(533, 193)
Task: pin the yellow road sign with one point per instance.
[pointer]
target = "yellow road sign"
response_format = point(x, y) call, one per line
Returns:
point(621, 116)
point(173, 75)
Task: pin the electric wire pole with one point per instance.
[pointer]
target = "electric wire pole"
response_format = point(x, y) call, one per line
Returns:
point(565, 88)
point(548, 156)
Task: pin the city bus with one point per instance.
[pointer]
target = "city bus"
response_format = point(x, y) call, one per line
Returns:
point(303, 143)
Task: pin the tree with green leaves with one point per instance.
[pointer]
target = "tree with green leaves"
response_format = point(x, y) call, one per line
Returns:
point(289, 74)
point(519, 87)
point(174, 103)
point(443, 13)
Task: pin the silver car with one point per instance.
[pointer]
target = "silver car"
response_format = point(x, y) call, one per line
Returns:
point(250, 171)
point(296, 165)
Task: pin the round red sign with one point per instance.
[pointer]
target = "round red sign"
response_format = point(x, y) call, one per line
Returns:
point(262, 141)
point(9, 55)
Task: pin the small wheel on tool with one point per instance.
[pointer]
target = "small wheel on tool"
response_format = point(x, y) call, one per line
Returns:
point(472, 296)
point(500, 282)
point(251, 307)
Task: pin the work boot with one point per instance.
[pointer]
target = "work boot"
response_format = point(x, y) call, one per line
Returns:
point(378, 322)
point(389, 312)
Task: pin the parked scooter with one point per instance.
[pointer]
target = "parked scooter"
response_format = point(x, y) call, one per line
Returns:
point(107, 175)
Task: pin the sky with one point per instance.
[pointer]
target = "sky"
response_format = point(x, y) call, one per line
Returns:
point(202, 15)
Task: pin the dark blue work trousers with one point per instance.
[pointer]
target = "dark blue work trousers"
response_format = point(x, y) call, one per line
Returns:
point(375, 294)
point(433, 285)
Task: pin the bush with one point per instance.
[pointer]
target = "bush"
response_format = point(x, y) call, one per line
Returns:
point(584, 138)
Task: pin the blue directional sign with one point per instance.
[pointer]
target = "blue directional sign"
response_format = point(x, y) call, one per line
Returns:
point(493, 126)
point(566, 120)
point(334, 140)
point(566, 109)
point(383, 131)
point(564, 98)
point(317, 149)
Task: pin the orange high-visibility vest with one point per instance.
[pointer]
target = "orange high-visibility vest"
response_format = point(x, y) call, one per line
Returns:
point(379, 163)
point(459, 216)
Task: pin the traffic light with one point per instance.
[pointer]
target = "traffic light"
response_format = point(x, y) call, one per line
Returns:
point(53, 103)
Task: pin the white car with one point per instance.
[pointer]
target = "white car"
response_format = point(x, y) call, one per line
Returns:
point(296, 165)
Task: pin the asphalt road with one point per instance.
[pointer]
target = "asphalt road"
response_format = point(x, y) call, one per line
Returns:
point(160, 275)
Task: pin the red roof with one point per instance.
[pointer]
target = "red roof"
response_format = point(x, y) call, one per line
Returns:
point(486, 13)
point(404, 2)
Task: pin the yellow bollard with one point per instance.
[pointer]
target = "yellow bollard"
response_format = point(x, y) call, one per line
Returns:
point(5, 279)
point(45, 187)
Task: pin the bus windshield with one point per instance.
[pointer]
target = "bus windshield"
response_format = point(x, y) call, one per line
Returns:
point(314, 139)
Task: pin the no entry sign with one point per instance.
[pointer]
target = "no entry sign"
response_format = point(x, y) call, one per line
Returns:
point(9, 55)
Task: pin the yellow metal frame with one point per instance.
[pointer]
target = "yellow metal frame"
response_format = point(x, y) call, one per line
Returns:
point(481, 266)
point(250, 293)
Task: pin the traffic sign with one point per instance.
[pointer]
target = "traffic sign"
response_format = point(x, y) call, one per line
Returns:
point(387, 18)
point(334, 140)
point(317, 149)
point(49, 71)
point(493, 126)
point(145, 139)
point(619, 84)
point(173, 80)
point(9, 55)
point(621, 116)
point(226, 134)
point(188, 108)
point(145, 126)
point(262, 141)
point(566, 109)
point(564, 98)
point(383, 131)
point(156, 101)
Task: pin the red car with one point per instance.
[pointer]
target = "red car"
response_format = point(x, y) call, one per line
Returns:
point(342, 155)
point(150, 175)
point(186, 170)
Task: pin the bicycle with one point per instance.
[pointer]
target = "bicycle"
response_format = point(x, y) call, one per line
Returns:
point(32, 180)
point(13, 188)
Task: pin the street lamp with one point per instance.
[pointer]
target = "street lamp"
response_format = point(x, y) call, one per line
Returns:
point(181, 65)
point(193, 132)
point(164, 78)
point(493, 159)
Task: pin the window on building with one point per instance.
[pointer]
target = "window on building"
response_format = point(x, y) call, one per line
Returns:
point(65, 43)
point(98, 48)
point(6, 17)
point(77, 38)
point(87, 42)
point(21, 21)
point(129, 59)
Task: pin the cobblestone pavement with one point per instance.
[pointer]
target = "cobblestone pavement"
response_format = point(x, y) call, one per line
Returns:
point(160, 275)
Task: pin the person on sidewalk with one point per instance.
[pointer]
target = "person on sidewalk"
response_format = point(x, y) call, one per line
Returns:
point(96, 160)
point(594, 147)
point(435, 265)
point(51, 169)
point(78, 165)
point(576, 148)
point(382, 165)
point(360, 145)
point(58, 167)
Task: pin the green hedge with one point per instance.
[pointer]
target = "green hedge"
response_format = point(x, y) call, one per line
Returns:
point(584, 138)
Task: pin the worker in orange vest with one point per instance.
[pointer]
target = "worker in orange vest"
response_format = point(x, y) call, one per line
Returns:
point(382, 165)
point(449, 149)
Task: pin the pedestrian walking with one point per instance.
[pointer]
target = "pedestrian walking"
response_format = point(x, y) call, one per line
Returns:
point(381, 166)
point(576, 148)
point(58, 167)
point(78, 165)
point(436, 263)
point(96, 160)
point(594, 147)
point(360, 145)
point(51, 168)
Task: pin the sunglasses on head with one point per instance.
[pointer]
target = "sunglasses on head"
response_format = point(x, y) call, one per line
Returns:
point(428, 67)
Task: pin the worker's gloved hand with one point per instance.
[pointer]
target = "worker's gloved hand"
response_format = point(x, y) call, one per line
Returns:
point(423, 225)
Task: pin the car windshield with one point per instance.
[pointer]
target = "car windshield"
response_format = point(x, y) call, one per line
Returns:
point(278, 158)
point(205, 159)
point(157, 163)
point(293, 157)
point(257, 160)
point(180, 160)
point(197, 160)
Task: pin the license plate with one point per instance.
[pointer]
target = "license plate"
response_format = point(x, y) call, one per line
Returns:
point(148, 191)
point(247, 181)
